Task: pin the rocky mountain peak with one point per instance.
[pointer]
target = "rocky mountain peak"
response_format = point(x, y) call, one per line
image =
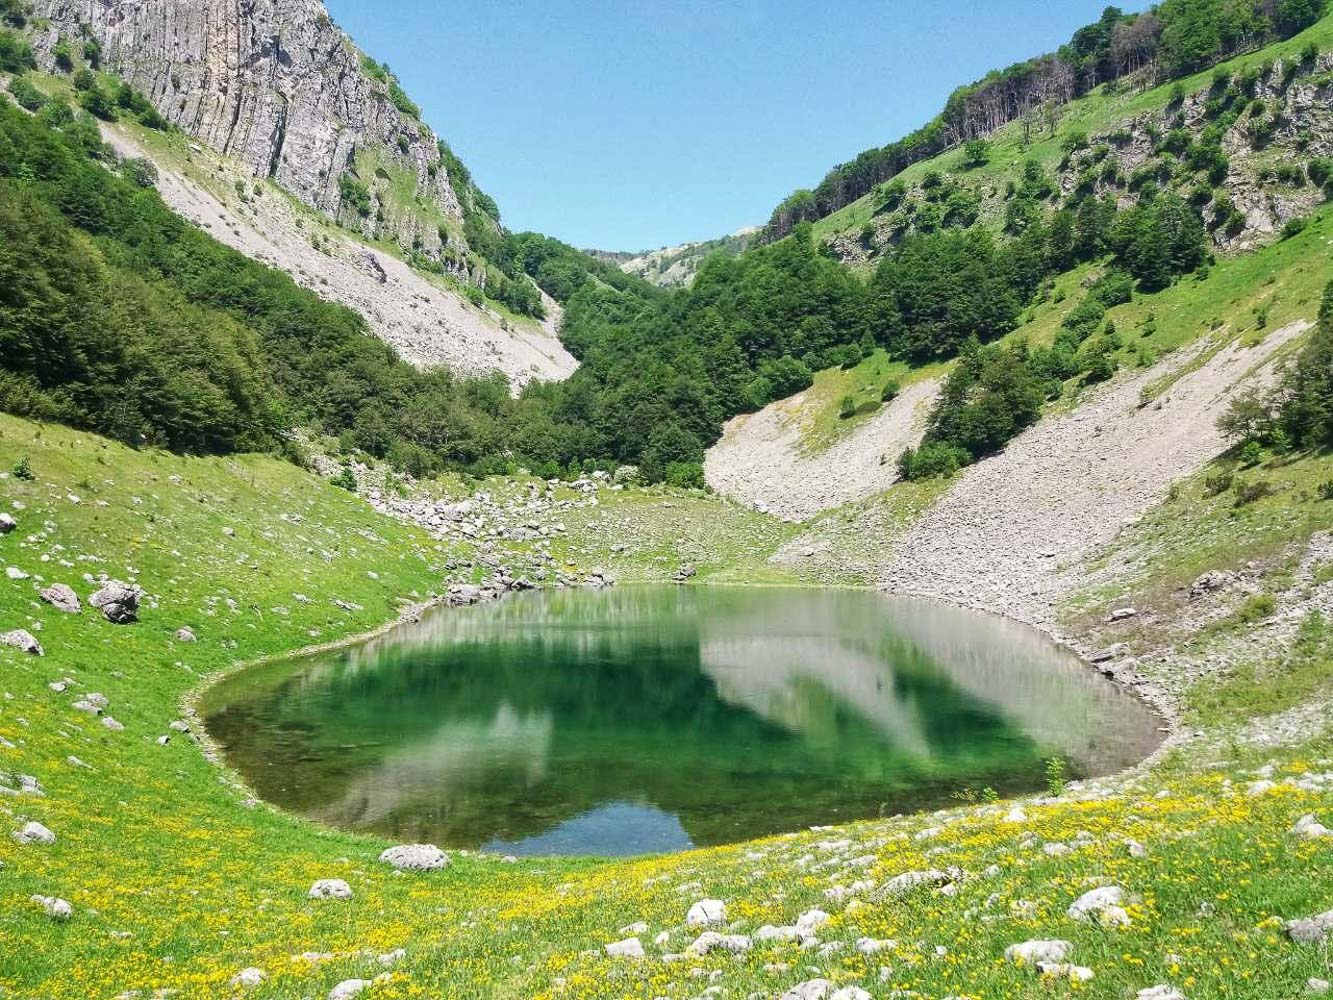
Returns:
point(278, 86)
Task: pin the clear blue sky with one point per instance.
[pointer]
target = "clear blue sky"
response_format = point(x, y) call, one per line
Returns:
point(631, 124)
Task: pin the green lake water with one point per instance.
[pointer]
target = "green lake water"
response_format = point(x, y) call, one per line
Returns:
point(656, 719)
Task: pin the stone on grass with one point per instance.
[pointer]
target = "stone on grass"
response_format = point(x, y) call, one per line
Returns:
point(186, 634)
point(1101, 906)
point(111, 724)
point(810, 921)
point(811, 989)
point(119, 602)
point(1310, 828)
point(23, 640)
point(56, 909)
point(14, 573)
point(415, 857)
point(770, 933)
point(851, 993)
point(712, 941)
point(61, 596)
point(7, 523)
point(1160, 993)
point(1317, 986)
point(1063, 970)
point(705, 912)
point(1310, 930)
point(330, 888)
point(908, 882)
point(1032, 952)
point(34, 833)
point(248, 978)
point(348, 988)
point(629, 948)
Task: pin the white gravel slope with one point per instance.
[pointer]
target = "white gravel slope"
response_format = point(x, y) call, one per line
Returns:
point(758, 459)
point(425, 324)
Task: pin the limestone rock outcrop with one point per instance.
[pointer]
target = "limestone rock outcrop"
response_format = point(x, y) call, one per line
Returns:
point(276, 85)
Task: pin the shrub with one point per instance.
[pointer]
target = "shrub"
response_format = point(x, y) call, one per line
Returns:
point(29, 97)
point(685, 475)
point(1248, 493)
point(890, 390)
point(847, 409)
point(355, 194)
point(932, 459)
point(345, 480)
point(1055, 776)
point(1256, 609)
point(23, 470)
point(1218, 483)
point(1252, 453)
point(1326, 490)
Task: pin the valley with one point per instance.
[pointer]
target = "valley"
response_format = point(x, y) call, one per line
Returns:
point(926, 595)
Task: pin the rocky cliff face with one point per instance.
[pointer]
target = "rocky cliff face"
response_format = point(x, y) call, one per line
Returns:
point(276, 85)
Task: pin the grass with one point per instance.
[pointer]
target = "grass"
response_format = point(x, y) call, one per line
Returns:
point(177, 884)
point(819, 420)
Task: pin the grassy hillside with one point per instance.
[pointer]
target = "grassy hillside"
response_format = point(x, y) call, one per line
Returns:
point(178, 883)
point(1100, 112)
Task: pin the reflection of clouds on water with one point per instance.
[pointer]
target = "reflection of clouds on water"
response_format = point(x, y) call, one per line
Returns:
point(773, 677)
point(461, 755)
point(612, 829)
point(620, 722)
point(1039, 687)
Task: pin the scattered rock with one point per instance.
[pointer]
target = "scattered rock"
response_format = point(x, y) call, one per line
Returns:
point(119, 602)
point(1032, 952)
point(348, 988)
point(330, 888)
point(1121, 614)
point(186, 634)
point(1160, 993)
point(1309, 828)
point(415, 857)
point(7, 523)
point(61, 596)
point(705, 912)
point(629, 948)
point(1310, 930)
point(248, 978)
point(56, 909)
point(34, 833)
point(22, 639)
point(711, 940)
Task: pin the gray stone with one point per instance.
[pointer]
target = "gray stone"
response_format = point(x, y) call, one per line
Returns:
point(330, 888)
point(7, 523)
point(56, 908)
point(61, 596)
point(415, 857)
point(1032, 952)
point(22, 639)
point(118, 601)
point(705, 912)
point(34, 833)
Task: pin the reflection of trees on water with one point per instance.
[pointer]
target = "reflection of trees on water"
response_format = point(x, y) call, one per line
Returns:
point(740, 712)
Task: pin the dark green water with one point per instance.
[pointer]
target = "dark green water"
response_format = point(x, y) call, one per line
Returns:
point(655, 719)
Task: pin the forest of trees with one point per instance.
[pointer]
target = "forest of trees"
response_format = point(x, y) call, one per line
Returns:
point(224, 353)
point(1173, 39)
